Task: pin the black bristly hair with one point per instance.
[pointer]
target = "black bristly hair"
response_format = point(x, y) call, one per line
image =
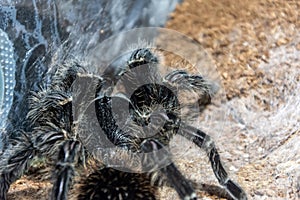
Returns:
point(56, 137)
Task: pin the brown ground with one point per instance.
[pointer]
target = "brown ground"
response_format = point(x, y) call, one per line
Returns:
point(255, 46)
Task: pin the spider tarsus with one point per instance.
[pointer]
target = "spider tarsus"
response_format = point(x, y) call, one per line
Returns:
point(235, 190)
point(179, 182)
point(232, 188)
point(205, 142)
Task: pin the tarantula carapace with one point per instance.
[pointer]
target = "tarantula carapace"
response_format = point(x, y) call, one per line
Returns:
point(55, 133)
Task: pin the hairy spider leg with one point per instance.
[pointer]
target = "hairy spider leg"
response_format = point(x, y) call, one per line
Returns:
point(109, 125)
point(64, 170)
point(205, 142)
point(179, 182)
point(173, 176)
point(195, 83)
point(51, 119)
point(14, 162)
point(45, 140)
point(206, 90)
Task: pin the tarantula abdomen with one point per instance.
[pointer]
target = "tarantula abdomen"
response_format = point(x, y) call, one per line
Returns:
point(109, 183)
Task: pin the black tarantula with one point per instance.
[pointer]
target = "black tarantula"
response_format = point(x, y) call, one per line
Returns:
point(55, 134)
